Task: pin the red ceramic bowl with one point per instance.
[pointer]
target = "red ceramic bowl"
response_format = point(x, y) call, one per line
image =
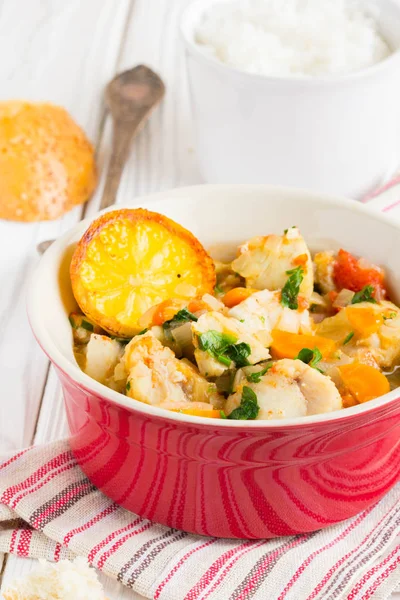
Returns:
point(256, 479)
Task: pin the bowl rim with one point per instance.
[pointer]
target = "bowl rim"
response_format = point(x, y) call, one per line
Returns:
point(200, 6)
point(84, 381)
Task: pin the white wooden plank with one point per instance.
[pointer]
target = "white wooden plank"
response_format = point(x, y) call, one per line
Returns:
point(63, 52)
point(162, 158)
point(163, 155)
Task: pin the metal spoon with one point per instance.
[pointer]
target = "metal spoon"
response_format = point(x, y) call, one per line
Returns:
point(130, 97)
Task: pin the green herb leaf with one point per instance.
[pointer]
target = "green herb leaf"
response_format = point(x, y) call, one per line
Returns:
point(248, 409)
point(222, 414)
point(86, 325)
point(72, 321)
point(239, 353)
point(256, 376)
point(218, 289)
point(310, 357)
point(224, 360)
point(391, 315)
point(348, 338)
point(222, 347)
point(214, 342)
point(128, 386)
point(123, 341)
point(364, 295)
point(291, 289)
point(182, 316)
point(143, 331)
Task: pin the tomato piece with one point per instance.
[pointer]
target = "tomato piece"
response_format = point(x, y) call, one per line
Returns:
point(349, 273)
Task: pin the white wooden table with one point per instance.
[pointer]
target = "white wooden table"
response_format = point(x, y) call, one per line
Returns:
point(65, 52)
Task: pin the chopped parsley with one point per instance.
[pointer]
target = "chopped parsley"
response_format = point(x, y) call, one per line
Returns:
point(391, 315)
point(291, 289)
point(256, 376)
point(84, 324)
point(182, 316)
point(248, 408)
point(223, 347)
point(310, 357)
point(348, 337)
point(87, 325)
point(128, 386)
point(143, 331)
point(120, 340)
point(239, 353)
point(364, 295)
point(222, 414)
point(218, 289)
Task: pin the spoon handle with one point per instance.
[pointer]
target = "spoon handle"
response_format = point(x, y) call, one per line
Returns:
point(123, 134)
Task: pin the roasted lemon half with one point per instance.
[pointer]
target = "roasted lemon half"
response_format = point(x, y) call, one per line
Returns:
point(131, 259)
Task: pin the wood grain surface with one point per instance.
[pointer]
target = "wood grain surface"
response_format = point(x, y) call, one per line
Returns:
point(66, 52)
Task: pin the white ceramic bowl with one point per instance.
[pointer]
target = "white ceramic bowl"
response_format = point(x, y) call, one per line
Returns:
point(337, 134)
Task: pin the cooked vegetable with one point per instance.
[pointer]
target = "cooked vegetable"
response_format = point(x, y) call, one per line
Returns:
point(255, 377)
point(182, 316)
point(363, 382)
point(348, 338)
point(210, 413)
point(236, 296)
point(288, 345)
point(354, 274)
point(364, 295)
point(82, 328)
point(310, 357)
point(223, 347)
point(248, 408)
point(291, 289)
point(364, 320)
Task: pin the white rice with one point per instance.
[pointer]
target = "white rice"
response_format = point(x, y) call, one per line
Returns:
point(292, 37)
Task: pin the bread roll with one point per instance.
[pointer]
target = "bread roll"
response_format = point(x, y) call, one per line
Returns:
point(46, 162)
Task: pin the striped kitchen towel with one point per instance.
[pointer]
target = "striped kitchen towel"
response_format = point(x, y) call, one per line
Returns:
point(49, 509)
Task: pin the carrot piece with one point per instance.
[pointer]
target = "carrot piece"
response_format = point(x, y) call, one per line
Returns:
point(166, 310)
point(363, 382)
point(348, 400)
point(364, 321)
point(332, 296)
point(200, 412)
point(288, 345)
point(236, 296)
point(300, 260)
point(197, 305)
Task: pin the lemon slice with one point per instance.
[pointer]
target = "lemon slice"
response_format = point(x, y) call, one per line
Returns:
point(131, 259)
